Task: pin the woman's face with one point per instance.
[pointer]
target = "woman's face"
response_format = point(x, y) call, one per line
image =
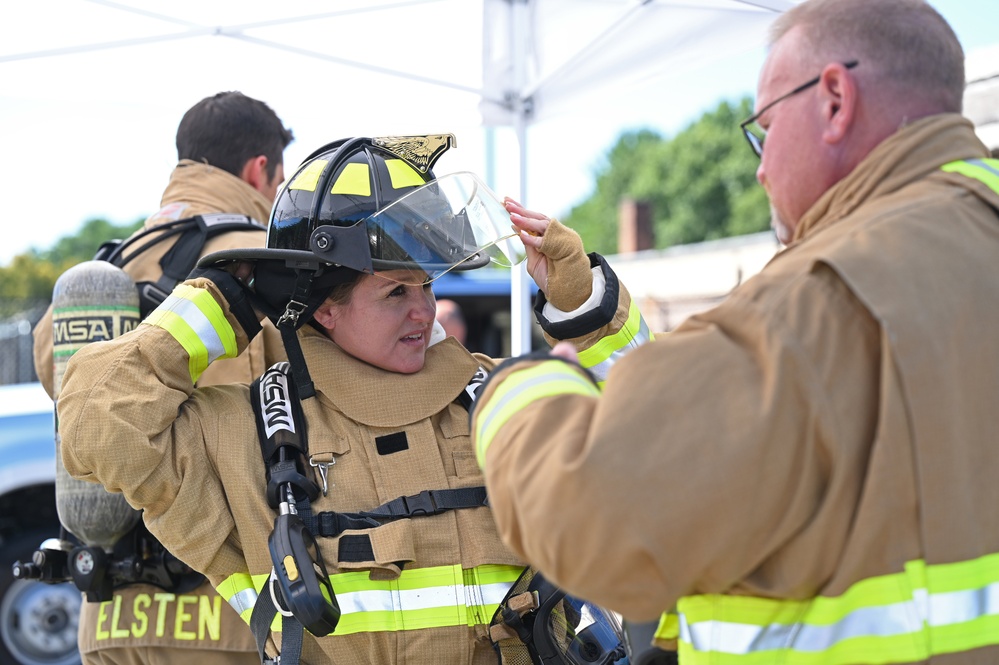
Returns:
point(384, 323)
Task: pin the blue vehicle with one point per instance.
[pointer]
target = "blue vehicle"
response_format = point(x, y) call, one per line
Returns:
point(38, 621)
point(484, 298)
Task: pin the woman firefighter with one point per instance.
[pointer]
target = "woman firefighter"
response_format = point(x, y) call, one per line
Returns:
point(337, 503)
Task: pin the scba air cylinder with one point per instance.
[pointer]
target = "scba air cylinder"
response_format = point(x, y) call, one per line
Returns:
point(91, 302)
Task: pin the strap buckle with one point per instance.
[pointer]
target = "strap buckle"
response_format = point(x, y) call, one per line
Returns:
point(421, 504)
point(292, 311)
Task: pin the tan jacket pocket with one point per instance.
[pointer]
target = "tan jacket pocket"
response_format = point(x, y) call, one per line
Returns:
point(383, 550)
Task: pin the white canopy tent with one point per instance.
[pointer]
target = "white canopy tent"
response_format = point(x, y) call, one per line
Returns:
point(432, 64)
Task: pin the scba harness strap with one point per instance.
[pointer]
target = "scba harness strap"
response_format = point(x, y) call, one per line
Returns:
point(138, 557)
point(178, 262)
point(299, 587)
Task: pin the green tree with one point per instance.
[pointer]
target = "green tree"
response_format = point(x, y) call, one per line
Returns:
point(701, 184)
point(27, 282)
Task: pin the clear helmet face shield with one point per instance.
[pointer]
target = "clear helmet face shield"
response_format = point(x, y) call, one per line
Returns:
point(452, 223)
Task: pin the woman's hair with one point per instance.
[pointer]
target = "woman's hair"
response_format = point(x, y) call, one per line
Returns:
point(341, 293)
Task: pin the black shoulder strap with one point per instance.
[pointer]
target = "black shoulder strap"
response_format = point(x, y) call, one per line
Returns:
point(181, 258)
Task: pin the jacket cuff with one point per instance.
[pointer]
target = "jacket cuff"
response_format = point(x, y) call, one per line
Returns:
point(589, 321)
point(236, 296)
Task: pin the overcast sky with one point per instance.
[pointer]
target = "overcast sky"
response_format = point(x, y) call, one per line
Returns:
point(70, 155)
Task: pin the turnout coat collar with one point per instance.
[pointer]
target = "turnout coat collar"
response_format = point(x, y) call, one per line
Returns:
point(912, 153)
point(379, 398)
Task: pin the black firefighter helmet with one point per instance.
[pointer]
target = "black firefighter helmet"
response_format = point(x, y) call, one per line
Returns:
point(363, 205)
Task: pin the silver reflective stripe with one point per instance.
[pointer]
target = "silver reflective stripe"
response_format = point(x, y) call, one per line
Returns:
point(960, 606)
point(909, 617)
point(402, 600)
point(198, 322)
point(600, 370)
point(244, 600)
point(734, 638)
point(982, 164)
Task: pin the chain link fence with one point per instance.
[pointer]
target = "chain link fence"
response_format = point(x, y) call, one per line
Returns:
point(16, 361)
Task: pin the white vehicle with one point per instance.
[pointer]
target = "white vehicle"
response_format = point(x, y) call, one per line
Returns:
point(38, 621)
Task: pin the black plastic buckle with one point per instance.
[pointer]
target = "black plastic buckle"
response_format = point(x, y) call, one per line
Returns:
point(421, 504)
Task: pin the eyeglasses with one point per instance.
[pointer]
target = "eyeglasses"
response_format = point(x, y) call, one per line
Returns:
point(756, 135)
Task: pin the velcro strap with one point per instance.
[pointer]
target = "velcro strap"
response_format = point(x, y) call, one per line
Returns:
point(356, 548)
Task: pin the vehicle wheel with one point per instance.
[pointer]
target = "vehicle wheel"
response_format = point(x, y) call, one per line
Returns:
point(38, 621)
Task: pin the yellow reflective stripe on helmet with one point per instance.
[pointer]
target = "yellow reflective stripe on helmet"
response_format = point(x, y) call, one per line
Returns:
point(354, 179)
point(197, 322)
point(308, 179)
point(908, 616)
point(421, 598)
point(240, 591)
point(600, 357)
point(521, 388)
point(983, 170)
point(402, 174)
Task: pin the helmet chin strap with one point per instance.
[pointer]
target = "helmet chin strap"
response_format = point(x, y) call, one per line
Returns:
point(288, 325)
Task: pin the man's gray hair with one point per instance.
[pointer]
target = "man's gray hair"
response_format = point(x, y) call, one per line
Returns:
point(906, 45)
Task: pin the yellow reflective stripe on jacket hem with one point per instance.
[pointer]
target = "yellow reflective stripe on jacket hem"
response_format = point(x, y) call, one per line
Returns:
point(240, 591)
point(197, 322)
point(546, 379)
point(983, 170)
point(417, 599)
point(600, 357)
point(912, 615)
point(421, 598)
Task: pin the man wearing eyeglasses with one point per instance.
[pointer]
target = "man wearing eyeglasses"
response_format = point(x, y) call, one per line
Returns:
point(809, 472)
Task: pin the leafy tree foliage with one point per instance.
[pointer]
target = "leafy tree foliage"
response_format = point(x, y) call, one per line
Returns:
point(701, 184)
point(27, 282)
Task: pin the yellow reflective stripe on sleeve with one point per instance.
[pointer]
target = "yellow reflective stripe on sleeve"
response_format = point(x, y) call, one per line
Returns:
point(913, 615)
point(983, 170)
point(402, 174)
point(521, 388)
point(308, 179)
point(600, 357)
point(669, 627)
point(197, 322)
point(421, 598)
point(354, 179)
point(240, 592)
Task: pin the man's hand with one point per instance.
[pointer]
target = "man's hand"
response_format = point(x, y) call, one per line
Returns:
point(566, 351)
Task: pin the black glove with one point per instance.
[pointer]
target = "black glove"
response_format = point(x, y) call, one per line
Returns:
point(236, 294)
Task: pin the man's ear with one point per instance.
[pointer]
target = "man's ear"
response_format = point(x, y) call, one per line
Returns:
point(838, 92)
point(254, 172)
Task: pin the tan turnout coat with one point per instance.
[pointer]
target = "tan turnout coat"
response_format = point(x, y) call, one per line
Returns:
point(142, 616)
point(833, 419)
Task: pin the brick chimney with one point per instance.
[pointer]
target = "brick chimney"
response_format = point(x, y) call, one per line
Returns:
point(634, 227)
